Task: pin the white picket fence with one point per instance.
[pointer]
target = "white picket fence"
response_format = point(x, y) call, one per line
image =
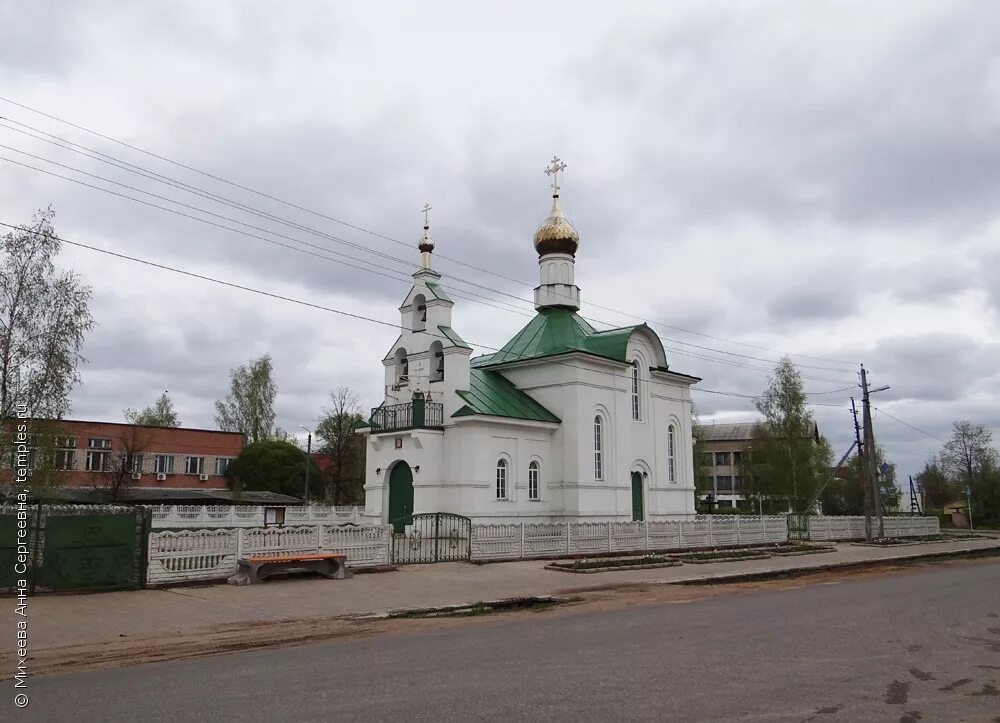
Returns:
point(212, 516)
point(527, 540)
point(191, 555)
point(853, 527)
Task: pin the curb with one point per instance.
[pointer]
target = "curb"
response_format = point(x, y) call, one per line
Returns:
point(800, 571)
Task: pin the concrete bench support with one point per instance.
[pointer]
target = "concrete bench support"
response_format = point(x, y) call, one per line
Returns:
point(256, 569)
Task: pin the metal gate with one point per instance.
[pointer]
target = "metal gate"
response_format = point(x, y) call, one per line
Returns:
point(79, 547)
point(433, 537)
point(798, 527)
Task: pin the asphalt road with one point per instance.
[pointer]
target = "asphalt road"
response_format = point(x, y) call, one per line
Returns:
point(923, 645)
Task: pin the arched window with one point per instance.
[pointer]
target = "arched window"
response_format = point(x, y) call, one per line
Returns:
point(419, 313)
point(437, 362)
point(501, 479)
point(598, 448)
point(671, 464)
point(402, 367)
point(533, 481)
point(636, 406)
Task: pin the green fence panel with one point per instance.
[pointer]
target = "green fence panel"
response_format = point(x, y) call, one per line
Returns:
point(90, 551)
point(8, 550)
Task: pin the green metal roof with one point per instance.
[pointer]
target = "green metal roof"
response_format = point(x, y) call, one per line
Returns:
point(558, 330)
point(438, 291)
point(493, 394)
point(453, 337)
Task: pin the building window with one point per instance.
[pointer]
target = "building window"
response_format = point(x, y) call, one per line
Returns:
point(533, 481)
point(721, 458)
point(194, 465)
point(727, 504)
point(135, 463)
point(164, 464)
point(738, 483)
point(598, 448)
point(222, 464)
point(671, 465)
point(636, 406)
point(99, 443)
point(64, 459)
point(724, 483)
point(737, 458)
point(98, 461)
point(501, 479)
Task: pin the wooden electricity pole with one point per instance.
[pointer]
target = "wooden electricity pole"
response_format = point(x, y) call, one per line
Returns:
point(871, 458)
point(865, 485)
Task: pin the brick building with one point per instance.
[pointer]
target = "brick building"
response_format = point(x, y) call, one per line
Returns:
point(721, 470)
point(88, 454)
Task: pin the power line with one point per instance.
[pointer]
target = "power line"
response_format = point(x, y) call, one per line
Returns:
point(309, 304)
point(462, 293)
point(379, 235)
point(907, 424)
point(160, 178)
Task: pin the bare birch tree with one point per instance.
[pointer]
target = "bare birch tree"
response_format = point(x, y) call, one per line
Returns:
point(249, 407)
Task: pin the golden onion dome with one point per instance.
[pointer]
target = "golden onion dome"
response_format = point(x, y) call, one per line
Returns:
point(556, 235)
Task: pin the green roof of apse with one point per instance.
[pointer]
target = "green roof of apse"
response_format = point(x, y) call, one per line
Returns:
point(557, 330)
point(492, 394)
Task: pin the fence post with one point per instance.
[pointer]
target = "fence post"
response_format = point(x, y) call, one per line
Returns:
point(608, 523)
point(680, 534)
point(763, 530)
point(645, 524)
point(711, 532)
point(737, 529)
point(567, 536)
point(522, 540)
point(319, 537)
point(239, 543)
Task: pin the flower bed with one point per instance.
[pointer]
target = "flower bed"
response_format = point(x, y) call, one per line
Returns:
point(794, 549)
point(619, 563)
point(724, 556)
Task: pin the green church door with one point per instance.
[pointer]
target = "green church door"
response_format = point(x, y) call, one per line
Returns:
point(400, 496)
point(637, 515)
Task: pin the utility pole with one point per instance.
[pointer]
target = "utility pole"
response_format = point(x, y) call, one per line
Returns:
point(309, 445)
point(870, 456)
point(865, 484)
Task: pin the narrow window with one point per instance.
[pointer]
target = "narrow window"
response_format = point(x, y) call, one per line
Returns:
point(134, 463)
point(221, 465)
point(598, 448)
point(195, 465)
point(636, 408)
point(533, 481)
point(164, 464)
point(501, 479)
point(670, 454)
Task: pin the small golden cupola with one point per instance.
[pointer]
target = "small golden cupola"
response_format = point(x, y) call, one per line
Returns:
point(556, 235)
point(556, 242)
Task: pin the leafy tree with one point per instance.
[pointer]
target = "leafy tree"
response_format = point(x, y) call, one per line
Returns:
point(938, 488)
point(272, 465)
point(787, 462)
point(249, 408)
point(345, 448)
point(969, 452)
point(44, 316)
point(45, 460)
point(159, 414)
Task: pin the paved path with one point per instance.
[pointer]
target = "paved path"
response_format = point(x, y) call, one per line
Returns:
point(922, 645)
point(64, 620)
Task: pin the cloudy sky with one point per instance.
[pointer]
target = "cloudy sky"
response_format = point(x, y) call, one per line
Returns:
point(814, 178)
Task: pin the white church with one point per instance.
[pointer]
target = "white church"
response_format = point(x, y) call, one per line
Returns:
point(564, 423)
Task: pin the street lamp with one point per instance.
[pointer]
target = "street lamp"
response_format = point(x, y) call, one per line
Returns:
point(309, 442)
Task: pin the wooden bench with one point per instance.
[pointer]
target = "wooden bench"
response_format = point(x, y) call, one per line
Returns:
point(252, 570)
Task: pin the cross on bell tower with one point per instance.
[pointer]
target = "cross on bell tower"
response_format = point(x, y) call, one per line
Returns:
point(553, 170)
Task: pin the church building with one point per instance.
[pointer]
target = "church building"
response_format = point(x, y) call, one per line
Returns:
point(563, 423)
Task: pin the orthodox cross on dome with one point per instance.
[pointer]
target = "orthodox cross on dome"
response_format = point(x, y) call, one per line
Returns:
point(426, 211)
point(554, 170)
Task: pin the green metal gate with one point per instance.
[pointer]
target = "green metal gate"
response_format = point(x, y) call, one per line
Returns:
point(433, 537)
point(78, 547)
point(798, 527)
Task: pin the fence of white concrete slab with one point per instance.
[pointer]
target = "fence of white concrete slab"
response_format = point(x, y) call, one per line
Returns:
point(191, 555)
point(214, 516)
point(853, 527)
point(531, 540)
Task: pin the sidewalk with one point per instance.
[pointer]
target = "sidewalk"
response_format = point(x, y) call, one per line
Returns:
point(64, 620)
